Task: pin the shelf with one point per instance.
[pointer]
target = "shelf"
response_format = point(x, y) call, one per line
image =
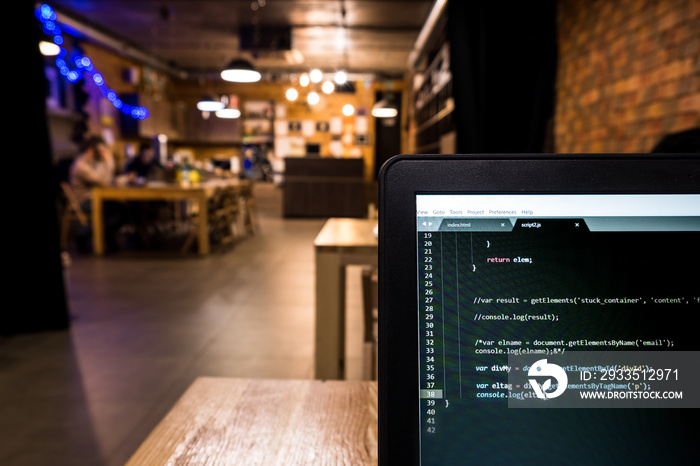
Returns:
point(257, 138)
point(447, 110)
point(434, 104)
point(435, 77)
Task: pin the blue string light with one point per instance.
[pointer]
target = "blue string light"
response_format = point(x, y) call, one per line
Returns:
point(82, 65)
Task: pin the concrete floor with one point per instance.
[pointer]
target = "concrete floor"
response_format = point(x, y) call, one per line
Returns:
point(145, 325)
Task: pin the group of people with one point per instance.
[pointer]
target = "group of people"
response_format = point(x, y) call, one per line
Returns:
point(95, 166)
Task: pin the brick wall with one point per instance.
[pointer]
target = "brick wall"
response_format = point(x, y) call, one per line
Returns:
point(628, 73)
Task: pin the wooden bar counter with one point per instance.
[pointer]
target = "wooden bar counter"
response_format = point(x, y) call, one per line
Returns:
point(266, 422)
point(324, 187)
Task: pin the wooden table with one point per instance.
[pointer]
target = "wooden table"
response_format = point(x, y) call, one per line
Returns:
point(341, 242)
point(198, 193)
point(266, 422)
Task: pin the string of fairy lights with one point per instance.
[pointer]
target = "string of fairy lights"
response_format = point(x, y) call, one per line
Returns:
point(74, 66)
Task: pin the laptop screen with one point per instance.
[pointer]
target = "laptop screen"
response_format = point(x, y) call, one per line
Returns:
point(558, 326)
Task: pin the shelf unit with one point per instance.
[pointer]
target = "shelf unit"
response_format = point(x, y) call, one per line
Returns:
point(432, 127)
point(258, 122)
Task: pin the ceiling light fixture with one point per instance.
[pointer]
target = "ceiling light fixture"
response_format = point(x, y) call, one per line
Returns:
point(49, 49)
point(328, 87)
point(348, 110)
point(292, 94)
point(313, 98)
point(341, 77)
point(316, 75)
point(384, 109)
point(228, 113)
point(240, 71)
point(304, 80)
point(209, 103)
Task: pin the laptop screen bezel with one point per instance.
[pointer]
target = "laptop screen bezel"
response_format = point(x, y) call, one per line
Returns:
point(405, 176)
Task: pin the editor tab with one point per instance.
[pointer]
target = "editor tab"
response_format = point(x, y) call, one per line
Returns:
point(476, 224)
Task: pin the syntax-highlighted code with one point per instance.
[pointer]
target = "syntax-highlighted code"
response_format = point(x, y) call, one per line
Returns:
point(581, 300)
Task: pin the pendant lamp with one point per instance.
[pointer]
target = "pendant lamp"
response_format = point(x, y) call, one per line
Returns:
point(210, 103)
point(384, 108)
point(49, 49)
point(228, 113)
point(240, 71)
point(341, 77)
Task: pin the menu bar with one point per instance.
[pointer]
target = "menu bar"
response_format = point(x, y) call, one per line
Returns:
point(556, 205)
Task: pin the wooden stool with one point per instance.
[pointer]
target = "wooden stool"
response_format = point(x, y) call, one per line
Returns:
point(249, 215)
point(72, 213)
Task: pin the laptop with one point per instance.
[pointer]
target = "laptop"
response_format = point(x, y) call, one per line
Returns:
point(539, 309)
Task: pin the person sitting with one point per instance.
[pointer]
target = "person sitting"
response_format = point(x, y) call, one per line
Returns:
point(95, 167)
point(145, 166)
point(146, 216)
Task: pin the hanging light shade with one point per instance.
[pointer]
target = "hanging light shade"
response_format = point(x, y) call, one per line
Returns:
point(341, 77)
point(384, 109)
point(240, 71)
point(316, 75)
point(210, 103)
point(228, 113)
point(49, 49)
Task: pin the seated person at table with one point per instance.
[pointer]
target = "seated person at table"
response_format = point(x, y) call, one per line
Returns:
point(95, 167)
point(145, 166)
point(146, 215)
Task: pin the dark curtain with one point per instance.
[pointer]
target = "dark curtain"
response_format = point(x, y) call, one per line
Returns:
point(503, 59)
point(35, 298)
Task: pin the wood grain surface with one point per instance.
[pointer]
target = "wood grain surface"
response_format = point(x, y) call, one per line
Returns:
point(347, 233)
point(225, 421)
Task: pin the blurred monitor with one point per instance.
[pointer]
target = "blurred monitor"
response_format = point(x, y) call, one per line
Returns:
point(313, 150)
point(224, 164)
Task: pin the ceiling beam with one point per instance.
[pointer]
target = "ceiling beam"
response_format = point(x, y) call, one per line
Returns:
point(119, 46)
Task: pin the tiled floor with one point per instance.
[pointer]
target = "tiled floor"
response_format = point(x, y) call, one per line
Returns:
point(144, 326)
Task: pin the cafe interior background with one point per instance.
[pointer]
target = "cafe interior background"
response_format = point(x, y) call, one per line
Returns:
point(97, 349)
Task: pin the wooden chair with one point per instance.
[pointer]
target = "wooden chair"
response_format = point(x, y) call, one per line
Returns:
point(222, 215)
point(193, 218)
point(225, 216)
point(370, 297)
point(249, 209)
point(72, 213)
